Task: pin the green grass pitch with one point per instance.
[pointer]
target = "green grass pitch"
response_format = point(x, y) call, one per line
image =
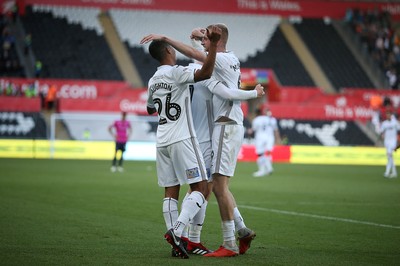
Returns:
point(76, 212)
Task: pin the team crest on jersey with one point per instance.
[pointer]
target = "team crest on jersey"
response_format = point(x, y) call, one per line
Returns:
point(192, 173)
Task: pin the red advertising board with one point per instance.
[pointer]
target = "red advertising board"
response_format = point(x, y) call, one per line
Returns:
point(279, 154)
point(320, 112)
point(312, 103)
point(131, 101)
point(71, 88)
point(19, 104)
point(304, 8)
point(365, 95)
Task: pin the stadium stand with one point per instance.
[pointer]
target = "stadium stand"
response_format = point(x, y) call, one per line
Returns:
point(332, 54)
point(380, 37)
point(9, 62)
point(86, 17)
point(242, 41)
point(68, 49)
point(279, 56)
point(180, 24)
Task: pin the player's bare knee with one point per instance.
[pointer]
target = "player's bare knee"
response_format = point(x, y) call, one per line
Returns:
point(200, 187)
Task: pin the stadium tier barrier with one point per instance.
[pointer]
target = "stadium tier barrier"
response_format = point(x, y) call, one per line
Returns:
point(115, 96)
point(20, 104)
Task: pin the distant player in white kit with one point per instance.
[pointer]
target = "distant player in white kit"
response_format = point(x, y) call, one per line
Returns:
point(178, 155)
point(389, 131)
point(265, 129)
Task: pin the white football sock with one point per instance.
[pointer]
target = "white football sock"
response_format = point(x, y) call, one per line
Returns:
point(394, 170)
point(268, 163)
point(228, 232)
point(185, 232)
point(238, 219)
point(260, 163)
point(389, 164)
point(190, 207)
point(170, 212)
point(196, 225)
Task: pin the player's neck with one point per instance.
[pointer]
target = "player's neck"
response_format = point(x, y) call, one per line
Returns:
point(221, 50)
point(168, 61)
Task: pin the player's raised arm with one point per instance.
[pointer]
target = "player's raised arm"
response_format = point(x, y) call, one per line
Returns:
point(196, 38)
point(218, 88)
point(185, 49)
point(213, 34)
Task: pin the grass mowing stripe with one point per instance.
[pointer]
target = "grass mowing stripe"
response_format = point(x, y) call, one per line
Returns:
point(319, 217)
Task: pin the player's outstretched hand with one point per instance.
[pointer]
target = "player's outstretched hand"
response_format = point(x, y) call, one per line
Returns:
point(260, 90)
point(198, 34)
point(152, 37)
point(214, 34)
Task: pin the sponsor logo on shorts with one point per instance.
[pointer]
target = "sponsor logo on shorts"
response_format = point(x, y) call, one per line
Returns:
point(192, 173)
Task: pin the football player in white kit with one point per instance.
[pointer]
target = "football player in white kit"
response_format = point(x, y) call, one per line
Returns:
point(178, 156)
point(227, 138)
point(265, 129)
point(203, 120)
point(389, 131)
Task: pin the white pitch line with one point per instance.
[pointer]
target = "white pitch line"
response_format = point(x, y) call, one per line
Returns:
point(319, 216)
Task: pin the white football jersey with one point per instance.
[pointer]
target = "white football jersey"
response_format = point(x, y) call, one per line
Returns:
point(264, 126)
point(168, 92)
point(389, 129)
point(201, 109)
point(227, 70)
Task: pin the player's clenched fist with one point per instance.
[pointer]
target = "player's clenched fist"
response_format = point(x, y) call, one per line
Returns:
point(260, 90)
point(214, 34)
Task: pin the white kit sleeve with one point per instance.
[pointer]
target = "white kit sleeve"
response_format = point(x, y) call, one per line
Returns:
point(218, 88)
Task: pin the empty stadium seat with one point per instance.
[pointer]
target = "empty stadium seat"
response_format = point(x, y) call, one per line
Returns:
point(279, 56)
point(332, 54)
point(247, 34)
point(71, 46)
point(87, 16)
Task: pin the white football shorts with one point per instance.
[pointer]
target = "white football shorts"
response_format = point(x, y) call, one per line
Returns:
point(180, 163)
point(390, 145)
point(206, 150)
point(263, 144)
point(226, 143)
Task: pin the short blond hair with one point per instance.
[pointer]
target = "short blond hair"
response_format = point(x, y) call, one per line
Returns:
point(224, 31)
